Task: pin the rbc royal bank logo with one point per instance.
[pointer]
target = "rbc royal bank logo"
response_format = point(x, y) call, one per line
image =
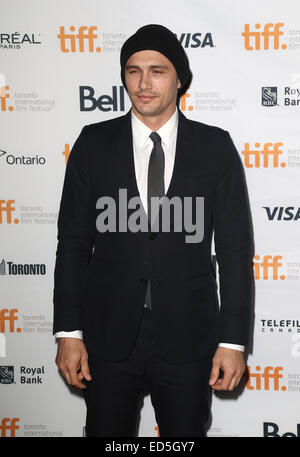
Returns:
point(269, 96)
point(6, 375)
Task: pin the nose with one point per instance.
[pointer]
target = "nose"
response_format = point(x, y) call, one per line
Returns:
point(145, 81)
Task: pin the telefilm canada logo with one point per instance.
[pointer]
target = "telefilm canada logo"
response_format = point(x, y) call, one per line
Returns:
point(279, 326)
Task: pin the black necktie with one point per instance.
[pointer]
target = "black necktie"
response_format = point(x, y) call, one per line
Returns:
point(156, 186)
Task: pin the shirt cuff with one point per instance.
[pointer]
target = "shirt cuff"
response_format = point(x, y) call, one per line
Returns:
point(73, 334)
point(236, 347)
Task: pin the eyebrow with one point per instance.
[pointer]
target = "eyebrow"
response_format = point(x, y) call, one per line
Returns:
point(163, 67)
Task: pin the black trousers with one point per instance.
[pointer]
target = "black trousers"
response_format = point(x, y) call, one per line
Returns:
point(179, 393)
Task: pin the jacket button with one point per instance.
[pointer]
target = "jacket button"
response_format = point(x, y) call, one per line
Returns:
point(152, 236)
point(144, 281)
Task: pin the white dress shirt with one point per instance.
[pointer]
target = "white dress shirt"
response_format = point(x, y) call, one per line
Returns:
point(142, 147)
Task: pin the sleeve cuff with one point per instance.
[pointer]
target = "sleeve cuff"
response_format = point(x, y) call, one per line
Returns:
point(73, 334)
point(236, 347)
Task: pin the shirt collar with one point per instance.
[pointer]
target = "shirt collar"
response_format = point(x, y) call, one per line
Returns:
point(141, 132)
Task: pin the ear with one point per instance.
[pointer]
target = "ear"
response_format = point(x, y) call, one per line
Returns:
point(178, 83)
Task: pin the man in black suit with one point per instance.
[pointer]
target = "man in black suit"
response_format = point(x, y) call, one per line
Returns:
point(137, 310)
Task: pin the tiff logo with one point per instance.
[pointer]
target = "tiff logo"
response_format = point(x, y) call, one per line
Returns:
point(8, 315)
point(268, 380)
point(261, 156)
point(183, 102)
point(7, 208)
point(3, 96)
point(9, 425)
point(269, 30)
point(85, 34)
point(269, 263)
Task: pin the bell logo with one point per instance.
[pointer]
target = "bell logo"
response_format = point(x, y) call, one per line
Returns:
point(3, 96)
point(6, 207)
point(88, 101)
point(261, 157)
point(9, 425)
point(266, 380)
point(269, 262)
point(183, 103)
point(85, 34)
point(272, 429)
point(8, 315)
point(269, 30)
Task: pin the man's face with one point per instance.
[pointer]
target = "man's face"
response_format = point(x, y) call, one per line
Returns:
point(152, 83)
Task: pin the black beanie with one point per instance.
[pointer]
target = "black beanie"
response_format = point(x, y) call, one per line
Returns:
point(157, 38)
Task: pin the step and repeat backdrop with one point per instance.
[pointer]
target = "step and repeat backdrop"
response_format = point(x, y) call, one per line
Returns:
point(59, 70)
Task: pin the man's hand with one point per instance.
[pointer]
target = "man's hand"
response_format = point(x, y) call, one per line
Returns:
point(72, 361)
point(232, 363)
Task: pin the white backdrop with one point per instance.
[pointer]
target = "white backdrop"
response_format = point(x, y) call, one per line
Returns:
point(245, 58)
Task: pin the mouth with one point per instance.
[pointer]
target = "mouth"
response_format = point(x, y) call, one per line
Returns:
point(145, 98)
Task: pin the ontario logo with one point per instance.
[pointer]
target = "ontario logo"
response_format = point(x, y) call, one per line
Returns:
point(263, 36)
point(11, 159)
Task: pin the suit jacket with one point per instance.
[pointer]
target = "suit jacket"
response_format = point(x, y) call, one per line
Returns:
point(100, 279)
